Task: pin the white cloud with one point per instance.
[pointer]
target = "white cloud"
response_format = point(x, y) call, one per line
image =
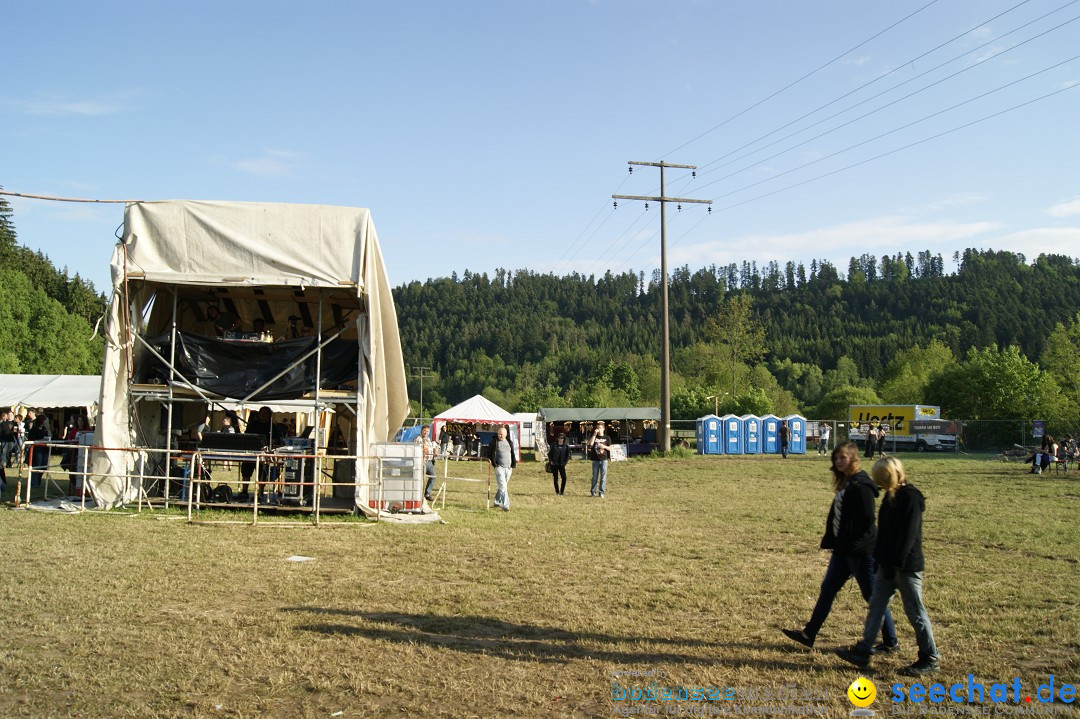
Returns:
point(51, 104)
point(1040, 240)
point(983, 33)
point(272, 163)
point(1065, 209)
point(957, 199)
point(878, 236)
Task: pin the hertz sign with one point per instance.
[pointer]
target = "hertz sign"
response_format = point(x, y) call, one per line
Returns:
point(896, 417)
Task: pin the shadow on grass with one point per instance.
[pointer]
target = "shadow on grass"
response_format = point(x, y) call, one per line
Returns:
point(525, 642)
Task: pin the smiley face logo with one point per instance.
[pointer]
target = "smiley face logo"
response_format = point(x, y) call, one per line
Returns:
point(862, 692)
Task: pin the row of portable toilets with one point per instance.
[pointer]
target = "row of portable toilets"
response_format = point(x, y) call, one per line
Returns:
point(749, 434)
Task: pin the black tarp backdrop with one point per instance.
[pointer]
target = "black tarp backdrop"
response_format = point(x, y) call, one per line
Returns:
point(235, 369)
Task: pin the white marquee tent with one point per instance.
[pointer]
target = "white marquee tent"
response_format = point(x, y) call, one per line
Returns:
point(285, 264)
point(49, 391)
point(479, 410)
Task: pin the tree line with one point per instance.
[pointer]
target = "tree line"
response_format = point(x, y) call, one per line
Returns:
point(992, 338)
point(47, 317)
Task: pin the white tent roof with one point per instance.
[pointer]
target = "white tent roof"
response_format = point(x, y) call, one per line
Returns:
point(257, 245)
point(49, 390)
point(477, 409)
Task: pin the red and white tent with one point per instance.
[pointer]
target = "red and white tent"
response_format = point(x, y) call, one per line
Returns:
point(480, 411)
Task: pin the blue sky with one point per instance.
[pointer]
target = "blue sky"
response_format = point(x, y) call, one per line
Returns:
point(492, 134)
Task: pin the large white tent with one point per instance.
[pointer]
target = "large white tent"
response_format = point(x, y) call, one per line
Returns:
point(286, 265)
point(49, 391)
point(482, 411)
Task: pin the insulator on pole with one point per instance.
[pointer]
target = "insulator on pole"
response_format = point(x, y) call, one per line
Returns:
point(615, 204)
point(678, 207)
point(710, 209)
point(631, 170)
point(694, 174)
point(646, 205)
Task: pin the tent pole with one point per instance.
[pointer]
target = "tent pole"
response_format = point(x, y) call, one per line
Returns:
point(316, 469)
point(169, 408)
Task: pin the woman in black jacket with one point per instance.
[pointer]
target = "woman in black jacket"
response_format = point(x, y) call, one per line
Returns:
point(900, 560)
point(558, 457)
point(850, 534)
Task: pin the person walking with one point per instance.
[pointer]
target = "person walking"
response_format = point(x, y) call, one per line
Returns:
point(599, 450)
point(503, 459)
point(851, 535)
point(871, 442)
point(39, 455)
point(900, 560)
point(823, 439)
point(785, 436)
point(558, 458)
point(8, 446)
point(429, 449)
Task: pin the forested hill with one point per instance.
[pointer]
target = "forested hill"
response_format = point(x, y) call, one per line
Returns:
point(530, 338)
point(46, 317)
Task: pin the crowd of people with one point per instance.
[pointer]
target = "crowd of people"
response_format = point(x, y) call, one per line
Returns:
point(1051, 451)
point(18, 435)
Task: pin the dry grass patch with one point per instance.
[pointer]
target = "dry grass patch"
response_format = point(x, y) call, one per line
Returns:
point(689, 566)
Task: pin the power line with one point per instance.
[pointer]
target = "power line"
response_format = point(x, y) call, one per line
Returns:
point(890, 72)
point(53, 198)
point(900, 149)
point(890, 104)
point(897, 129)
point(804, 77)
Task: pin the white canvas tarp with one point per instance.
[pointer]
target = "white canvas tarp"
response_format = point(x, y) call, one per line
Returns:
point(48, 391)
point(248, 245)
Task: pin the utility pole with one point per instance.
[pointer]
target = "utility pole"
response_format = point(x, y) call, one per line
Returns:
point(665, 341)
point(421, 375)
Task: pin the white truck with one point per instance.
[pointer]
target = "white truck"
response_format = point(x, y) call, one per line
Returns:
point(916, 427)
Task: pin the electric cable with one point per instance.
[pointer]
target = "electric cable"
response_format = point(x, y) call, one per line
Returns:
point(897, 129)
point(882, 107)
point(804, 77)
point(900, 66)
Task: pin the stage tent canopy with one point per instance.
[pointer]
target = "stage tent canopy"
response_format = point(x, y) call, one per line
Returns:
point(48, 391)
point(479, 410)
point(315, 264)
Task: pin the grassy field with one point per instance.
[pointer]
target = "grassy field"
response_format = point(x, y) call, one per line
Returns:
point(687, 569)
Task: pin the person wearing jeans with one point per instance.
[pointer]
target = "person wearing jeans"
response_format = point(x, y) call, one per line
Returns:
point(430, 448)
point(503, 459)
point(851, 535)
point(900, 558)
point(599, 446)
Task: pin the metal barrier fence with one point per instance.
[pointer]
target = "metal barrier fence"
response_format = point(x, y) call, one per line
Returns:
point(162, 478)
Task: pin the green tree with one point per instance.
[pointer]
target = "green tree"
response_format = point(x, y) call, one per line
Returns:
point(1061, 360)
point(834, 405)
point(739, 335)
point(996, 384)
point(910, 372)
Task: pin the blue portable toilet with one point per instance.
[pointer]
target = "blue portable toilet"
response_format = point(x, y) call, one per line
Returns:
point(796, 434)
point(770, 434)
point(751, 434)
point(732, 430)
point(708, 435)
